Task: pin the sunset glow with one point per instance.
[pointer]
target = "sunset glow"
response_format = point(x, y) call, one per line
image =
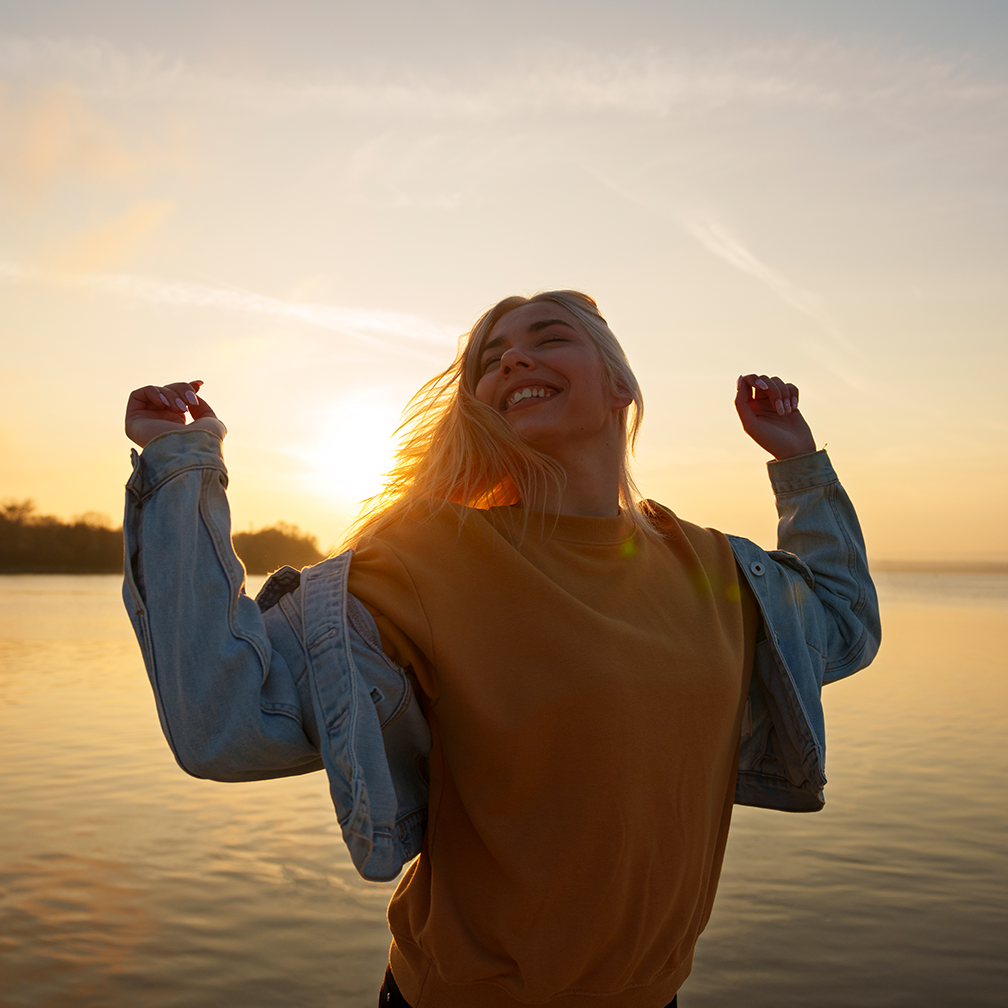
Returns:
point(352, 451)
point(305, 212)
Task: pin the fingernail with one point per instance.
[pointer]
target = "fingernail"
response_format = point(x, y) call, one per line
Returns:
point(181, 405)
point(165, 401)
point(794, 402)
point(762, 384)
point(780, 407)
point(191, 398)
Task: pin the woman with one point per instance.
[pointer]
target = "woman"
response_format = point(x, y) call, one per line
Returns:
point(600, 680)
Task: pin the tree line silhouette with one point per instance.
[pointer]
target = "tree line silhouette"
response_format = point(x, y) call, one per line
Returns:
point(42, 544)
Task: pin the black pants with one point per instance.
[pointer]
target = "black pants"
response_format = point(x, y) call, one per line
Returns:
point(389, 997)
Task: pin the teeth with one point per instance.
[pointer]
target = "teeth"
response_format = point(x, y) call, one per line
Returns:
point(528, 393)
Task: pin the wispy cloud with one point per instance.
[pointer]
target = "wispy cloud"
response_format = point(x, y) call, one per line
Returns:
point(716, 238)
point(839, 355)
point(53, 133)
point(643, 80)
point(410, 334)
point(109, 244)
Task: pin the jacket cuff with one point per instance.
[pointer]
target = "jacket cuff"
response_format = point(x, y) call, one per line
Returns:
point(802, 472)
point(169, 455)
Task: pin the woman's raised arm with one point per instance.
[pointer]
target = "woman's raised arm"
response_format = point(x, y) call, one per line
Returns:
point(230, 705)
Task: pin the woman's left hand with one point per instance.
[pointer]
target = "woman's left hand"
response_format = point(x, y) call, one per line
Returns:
point(768, 409)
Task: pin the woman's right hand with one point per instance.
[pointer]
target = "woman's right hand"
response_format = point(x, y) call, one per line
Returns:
point(161, 409)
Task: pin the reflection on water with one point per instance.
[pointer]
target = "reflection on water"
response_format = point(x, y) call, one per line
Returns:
point(897, 892)
point(125, 882)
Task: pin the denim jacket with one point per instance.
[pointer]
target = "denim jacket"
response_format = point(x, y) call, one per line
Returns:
point(297, 681)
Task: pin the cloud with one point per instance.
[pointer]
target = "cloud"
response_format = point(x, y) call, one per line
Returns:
point(110, 244)
point(717, 239)
point(410, 334)
point(54, 133)
point(640, 80)
point(721, 242)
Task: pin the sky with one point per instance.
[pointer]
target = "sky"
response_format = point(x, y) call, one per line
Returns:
point(305, 204)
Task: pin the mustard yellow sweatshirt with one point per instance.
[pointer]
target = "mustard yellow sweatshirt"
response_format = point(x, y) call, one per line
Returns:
point(584, 686)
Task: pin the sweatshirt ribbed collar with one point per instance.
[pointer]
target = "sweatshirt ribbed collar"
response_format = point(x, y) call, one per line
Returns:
point(565, 528)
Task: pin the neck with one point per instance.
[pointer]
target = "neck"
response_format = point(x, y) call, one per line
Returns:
point(592, 486)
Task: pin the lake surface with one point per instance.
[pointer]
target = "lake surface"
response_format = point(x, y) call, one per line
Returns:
point(125, 883)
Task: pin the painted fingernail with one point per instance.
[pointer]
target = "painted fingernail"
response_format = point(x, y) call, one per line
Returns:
point(780, 407)
point(794, 401)
point(164, 400)
point(181, 405)
point(762, 384)
point(191, 398)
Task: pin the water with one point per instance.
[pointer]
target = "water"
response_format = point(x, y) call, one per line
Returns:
point(124, 882)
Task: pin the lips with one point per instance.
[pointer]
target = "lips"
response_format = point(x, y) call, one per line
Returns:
point(524, 392)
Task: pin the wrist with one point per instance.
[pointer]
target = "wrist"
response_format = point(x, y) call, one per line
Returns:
point(802, 445)
point(796, 453)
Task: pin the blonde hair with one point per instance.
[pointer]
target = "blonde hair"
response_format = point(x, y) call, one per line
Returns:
point(456, 449)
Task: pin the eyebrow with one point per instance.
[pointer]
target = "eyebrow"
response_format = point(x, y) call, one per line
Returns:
point(533, 328)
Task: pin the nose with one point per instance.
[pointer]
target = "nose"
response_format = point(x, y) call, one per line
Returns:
point(512, 358)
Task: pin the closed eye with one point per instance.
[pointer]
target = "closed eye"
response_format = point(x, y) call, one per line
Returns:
point(492, 361)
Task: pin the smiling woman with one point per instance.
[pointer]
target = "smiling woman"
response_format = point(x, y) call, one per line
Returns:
point(543, 691)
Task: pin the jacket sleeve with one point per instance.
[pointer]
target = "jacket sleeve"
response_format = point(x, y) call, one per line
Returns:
point(229, 702)
point(820, 623)
point(819, 536)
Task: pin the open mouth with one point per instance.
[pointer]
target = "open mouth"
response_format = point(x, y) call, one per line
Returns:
point(528, 392)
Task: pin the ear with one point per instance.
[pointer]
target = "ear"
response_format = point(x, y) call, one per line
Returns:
point(620, 398)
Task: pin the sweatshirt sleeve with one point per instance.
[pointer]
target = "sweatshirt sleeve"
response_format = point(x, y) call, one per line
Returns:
point(382, 582)
point(229, 702)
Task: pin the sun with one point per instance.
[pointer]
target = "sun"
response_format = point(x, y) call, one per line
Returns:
point(353, 448)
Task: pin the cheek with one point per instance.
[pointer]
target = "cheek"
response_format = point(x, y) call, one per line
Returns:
point(484, 391)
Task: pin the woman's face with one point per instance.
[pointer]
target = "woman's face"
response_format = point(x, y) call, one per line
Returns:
point(541, 370)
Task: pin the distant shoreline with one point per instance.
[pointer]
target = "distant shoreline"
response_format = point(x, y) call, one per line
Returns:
point(939, 566)
point(43, 544)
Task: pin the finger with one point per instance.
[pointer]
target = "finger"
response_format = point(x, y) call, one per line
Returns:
point(777, 393)
point(742, 397)
point(150, 397)
point(748, 407)
point(788, 395)
point(183, 394)
point(758, 383)
point(765, 390)
point(792, 393)
point(201, 409)
point(198, 407)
